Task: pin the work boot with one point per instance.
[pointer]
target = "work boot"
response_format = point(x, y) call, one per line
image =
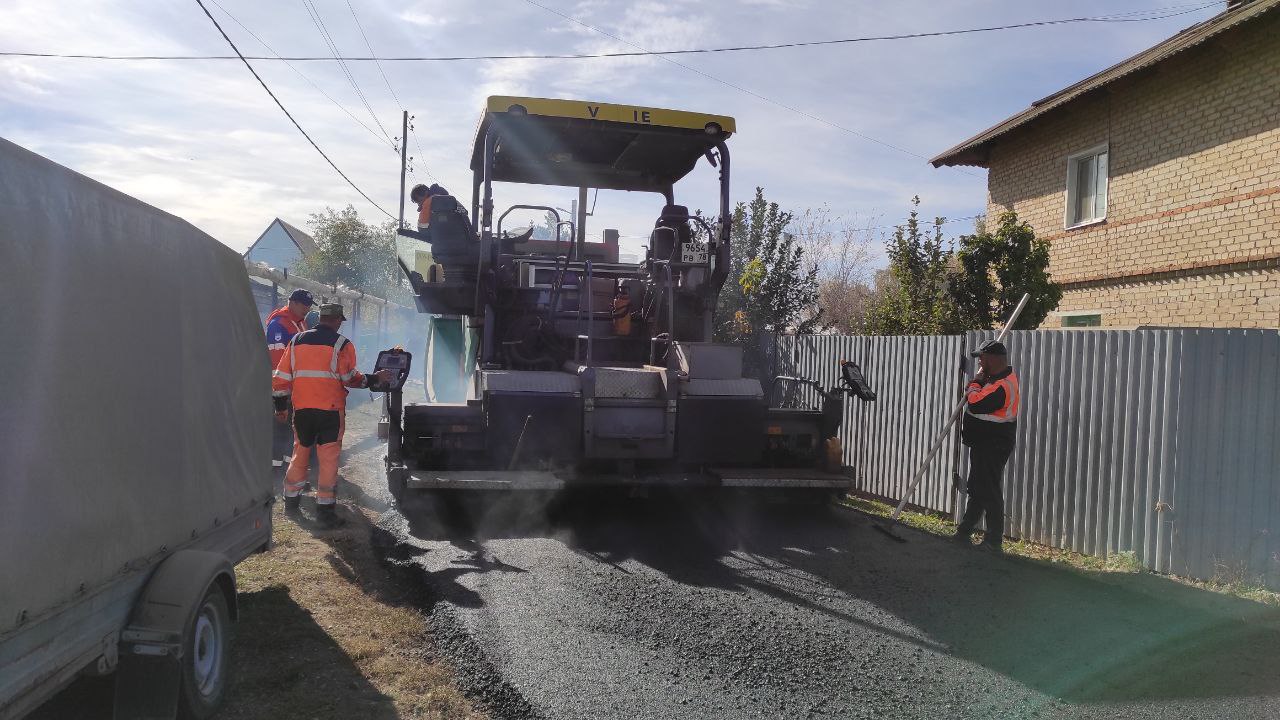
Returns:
point(293, 505)
point(991, 547)
point(327, 517)
point(962, 537)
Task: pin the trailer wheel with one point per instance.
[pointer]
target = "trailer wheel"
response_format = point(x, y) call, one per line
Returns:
point(206, 657)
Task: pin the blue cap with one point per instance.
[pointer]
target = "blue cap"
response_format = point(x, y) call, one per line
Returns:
point(303, 297)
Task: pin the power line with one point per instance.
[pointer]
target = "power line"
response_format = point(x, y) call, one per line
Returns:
point(1126, 17)
point(264, 44)
point(390, 89)
point(286, 112)
point(739, 88)
point(414, 133)
point(318, 21)
point(374, 56)
point(1134, 16)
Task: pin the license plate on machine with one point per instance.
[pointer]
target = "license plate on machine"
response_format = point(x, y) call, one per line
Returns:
point(693, 253)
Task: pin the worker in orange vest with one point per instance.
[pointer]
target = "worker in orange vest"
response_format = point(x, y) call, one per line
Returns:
point(314, 372)
point(992, 401)
point(282, 324)
point(421, 196)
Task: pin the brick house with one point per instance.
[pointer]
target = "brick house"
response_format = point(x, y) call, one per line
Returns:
point(1157, 180)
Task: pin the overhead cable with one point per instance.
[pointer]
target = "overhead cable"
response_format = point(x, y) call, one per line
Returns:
point(390, 89)
point(374, 55)
point(1173, 11)
point(302, 75)
point(286, 112)
point(739, 88)
point(318, 21)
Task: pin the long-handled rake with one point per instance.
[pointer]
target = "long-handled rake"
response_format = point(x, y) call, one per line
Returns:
point(887, 527)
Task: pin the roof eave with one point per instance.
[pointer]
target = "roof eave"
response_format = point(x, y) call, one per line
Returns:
point(976, 156)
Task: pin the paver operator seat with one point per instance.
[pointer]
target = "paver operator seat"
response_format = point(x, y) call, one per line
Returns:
point(670, 232)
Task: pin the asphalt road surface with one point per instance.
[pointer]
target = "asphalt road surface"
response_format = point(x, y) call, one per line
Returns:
point(682, 607)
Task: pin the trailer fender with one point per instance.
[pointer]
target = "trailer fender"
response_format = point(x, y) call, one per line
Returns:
point(149, 679)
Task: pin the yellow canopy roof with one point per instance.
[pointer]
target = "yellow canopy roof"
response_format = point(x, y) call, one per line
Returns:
point(587, 144)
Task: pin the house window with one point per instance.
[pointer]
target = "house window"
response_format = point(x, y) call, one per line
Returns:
point(1082, 320)
point(1087, 187)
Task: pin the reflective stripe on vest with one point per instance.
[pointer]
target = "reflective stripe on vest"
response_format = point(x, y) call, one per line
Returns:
point(331, 373)
point(337, 348)
point(314, 372)
point(1012, 399)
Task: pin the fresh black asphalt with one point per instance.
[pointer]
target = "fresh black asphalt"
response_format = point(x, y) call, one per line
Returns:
point(605, 606)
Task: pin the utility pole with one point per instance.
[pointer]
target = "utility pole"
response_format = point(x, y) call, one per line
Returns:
point(404, 164)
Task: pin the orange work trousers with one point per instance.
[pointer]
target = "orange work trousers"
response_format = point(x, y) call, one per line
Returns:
point(322, 429)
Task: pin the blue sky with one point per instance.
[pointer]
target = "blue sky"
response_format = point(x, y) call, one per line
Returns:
point(202, 139)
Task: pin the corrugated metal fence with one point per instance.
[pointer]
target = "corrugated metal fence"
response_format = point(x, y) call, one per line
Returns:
point(1158, 442)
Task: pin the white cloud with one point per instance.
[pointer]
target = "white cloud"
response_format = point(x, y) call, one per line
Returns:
point(423, 18)
point(22, 78)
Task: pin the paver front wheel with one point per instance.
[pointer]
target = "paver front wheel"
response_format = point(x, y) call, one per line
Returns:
point(206, 657)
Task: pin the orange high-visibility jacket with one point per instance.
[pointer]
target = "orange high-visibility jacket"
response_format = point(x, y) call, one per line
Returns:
point(424, 212)
point(281, 327)
point(991, 410)
point(316, 369)
point(996, 401)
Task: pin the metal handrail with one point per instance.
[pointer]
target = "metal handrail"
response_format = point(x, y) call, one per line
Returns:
point(773, 387)
point(590, 309)
point(671, 307)
point(573, 231)
point(513, 208)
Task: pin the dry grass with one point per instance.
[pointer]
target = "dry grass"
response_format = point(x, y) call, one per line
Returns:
point(326, 632)
point(1227, 582)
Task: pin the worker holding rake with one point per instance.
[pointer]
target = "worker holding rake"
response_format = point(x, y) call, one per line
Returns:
point(992, 400)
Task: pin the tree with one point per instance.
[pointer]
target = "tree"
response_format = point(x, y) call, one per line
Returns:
point(843, 254)
point(996, 269)
point(547, 230)
point(914, 298)
point(354, 253)
point(772, 286)
point(931, 288)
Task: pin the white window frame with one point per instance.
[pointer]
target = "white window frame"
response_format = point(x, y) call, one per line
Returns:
point(1068, 221)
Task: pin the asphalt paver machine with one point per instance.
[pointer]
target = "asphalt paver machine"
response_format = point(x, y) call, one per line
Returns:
point(588, 370)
